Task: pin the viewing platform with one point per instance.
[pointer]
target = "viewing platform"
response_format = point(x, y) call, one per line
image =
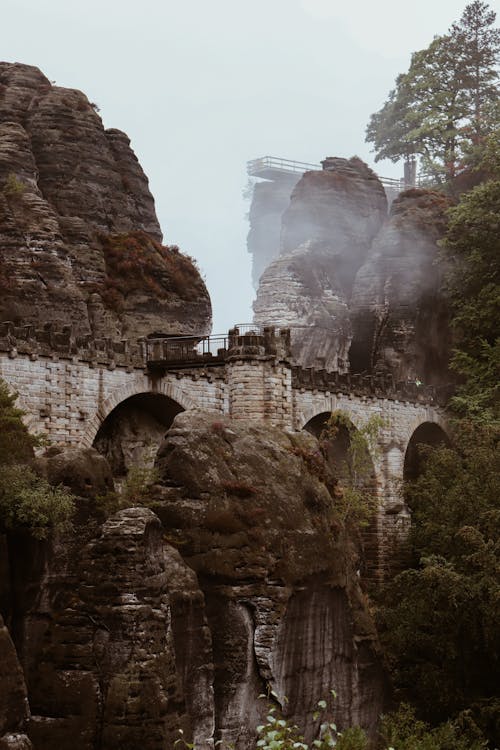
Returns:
point(275, 168)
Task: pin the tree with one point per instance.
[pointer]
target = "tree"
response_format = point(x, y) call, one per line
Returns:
point(439, 617)
point(442, 108)
point(16, 443)
point(477, 45)
point(472, 252)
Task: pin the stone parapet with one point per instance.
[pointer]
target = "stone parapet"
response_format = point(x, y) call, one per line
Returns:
point(61, 343)
point(374, 386)
point(249, 342)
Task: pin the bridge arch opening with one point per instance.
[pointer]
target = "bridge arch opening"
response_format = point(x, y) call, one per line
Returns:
point(353, 466)
point(133, 431)
point(427, 433)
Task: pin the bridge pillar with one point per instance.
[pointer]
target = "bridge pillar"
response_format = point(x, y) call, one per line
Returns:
point(394, 515)
point(259, 376)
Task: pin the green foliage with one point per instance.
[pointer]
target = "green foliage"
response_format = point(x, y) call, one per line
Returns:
point(26, 500)
point(353, 738)
point(134, 490)
point(355, 501)
point(439, 619)
point(13, 186)
point(447, 103)
point(16, 444)
point(29, 501)
point(403, 731)
point(472, 251)
point(277, 733)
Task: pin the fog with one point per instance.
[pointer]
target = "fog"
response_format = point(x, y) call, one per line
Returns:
point(201, 87)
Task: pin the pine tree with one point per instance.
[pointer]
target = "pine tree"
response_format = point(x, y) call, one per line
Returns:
point(447, 102)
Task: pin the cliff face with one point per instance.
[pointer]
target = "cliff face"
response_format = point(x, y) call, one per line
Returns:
point(254, 521)
point(131, 629)
point(301, 291)
point(78, 229)
point(270, 199)
point(343, 206)
point(326, 233)
point(14, 709)
point(399, 316)
point(362, 291)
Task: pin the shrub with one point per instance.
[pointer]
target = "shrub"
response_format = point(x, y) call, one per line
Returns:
point(402, 730)
point(279, 734)
point(29, 501)
point(137, 263)
point(134, 490)
point(26, 500)
point(13, 186)
point(16, 443)
point(355, 501)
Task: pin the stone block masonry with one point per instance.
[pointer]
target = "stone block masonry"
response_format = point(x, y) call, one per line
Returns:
point(68, 391)
point(68, 400)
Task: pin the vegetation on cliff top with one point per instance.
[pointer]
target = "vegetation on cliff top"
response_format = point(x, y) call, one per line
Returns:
point(138, 264)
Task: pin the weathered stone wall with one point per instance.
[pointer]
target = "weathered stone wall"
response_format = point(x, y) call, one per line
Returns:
point(401, 419)
point(69, 399)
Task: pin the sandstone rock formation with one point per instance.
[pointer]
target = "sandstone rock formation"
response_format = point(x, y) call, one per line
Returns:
point(301, 291)
point(245, 506)
point(270, 199)
point(109, 624)
point(360, 292)
point(399, 316)
point(14, 709)
point(78, 229)
point(179, 615)
point(326, 233)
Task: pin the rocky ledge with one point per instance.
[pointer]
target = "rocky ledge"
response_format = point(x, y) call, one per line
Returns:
point(78, 229)
point(238, 577)
point(326, 233)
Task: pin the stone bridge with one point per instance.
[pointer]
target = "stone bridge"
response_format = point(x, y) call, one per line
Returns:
point(122, 396)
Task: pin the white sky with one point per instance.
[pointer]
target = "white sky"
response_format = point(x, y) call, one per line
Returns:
point(202, 86)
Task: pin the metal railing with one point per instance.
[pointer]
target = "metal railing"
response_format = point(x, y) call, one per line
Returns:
point(258, 168)
point(186, 349)
point(248, 328)
point(170, 350)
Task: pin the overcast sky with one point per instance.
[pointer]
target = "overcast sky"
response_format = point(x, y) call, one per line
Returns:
point(201, 86)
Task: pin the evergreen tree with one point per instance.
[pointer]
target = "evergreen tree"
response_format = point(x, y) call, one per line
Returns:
point(445, 104)
point(472, 249)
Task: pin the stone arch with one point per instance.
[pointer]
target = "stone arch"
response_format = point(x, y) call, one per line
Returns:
point(171, 390)
point(421, 416)
point(430, 433)
point(133, 431)
point(326, 405)
point(338, 456)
